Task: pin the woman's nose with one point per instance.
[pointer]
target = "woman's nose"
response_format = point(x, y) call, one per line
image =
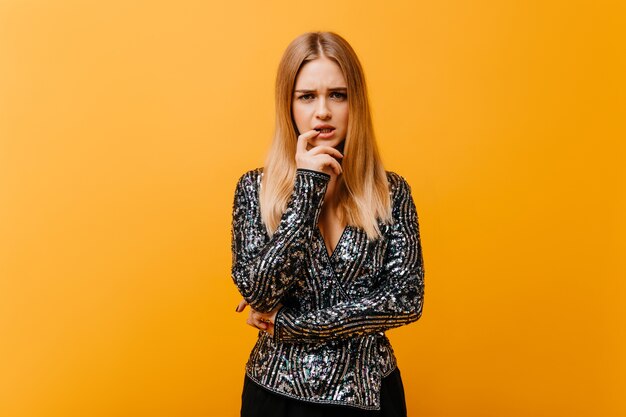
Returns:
point(323, 111)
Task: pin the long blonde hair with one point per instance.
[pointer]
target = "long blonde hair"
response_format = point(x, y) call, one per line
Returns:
point(362, 189)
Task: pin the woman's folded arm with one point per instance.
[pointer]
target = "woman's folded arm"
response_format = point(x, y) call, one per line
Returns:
point(396, 301)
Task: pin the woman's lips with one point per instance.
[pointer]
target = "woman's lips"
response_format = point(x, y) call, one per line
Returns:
point(326, 133)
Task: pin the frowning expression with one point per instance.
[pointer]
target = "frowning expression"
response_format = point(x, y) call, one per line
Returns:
point(320, 102)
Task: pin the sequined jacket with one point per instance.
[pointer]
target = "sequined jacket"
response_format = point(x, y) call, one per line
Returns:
point(329, 343)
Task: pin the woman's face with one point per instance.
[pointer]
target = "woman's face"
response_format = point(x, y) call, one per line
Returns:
point(321, 98)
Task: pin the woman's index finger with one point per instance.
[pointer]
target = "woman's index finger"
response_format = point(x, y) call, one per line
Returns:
point(303, 140)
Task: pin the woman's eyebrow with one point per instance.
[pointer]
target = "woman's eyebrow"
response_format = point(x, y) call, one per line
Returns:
point(330, 89)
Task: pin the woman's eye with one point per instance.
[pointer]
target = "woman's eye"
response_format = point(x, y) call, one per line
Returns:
point(338, 96)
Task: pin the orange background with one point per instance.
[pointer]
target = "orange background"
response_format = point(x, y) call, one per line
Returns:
point(124, 126)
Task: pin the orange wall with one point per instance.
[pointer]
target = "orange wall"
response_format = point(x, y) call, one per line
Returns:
point(124, 126)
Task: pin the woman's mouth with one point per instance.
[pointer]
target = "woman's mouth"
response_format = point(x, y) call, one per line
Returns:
point(326, 133)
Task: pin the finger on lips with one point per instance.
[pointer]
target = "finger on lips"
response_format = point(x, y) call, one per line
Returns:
point(312, 133)
point(330, 158)
point(303, 142)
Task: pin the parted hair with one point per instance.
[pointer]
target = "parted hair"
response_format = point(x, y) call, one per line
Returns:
point(362, 189)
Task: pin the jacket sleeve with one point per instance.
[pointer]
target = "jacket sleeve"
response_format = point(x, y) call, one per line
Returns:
point(396, 301)
point(264, 269)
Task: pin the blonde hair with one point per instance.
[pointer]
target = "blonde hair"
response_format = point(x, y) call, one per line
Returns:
point(362, 189)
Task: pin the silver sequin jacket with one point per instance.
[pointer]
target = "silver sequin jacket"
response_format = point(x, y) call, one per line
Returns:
point(329, 343)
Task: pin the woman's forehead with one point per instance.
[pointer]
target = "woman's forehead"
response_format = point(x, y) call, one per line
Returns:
point(320, 77)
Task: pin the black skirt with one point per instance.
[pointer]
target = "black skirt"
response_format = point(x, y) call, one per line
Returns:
point(256, 401)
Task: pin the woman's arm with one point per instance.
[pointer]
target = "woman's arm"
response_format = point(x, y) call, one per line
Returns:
point(395, 302)
point(264, 271)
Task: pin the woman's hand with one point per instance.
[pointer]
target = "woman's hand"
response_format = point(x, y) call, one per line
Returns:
point(318, 158)
point(262, 321)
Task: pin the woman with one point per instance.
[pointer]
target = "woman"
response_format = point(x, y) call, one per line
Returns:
point(326, 247)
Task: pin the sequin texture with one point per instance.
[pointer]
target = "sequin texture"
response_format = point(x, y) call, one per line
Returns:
point(329, 343)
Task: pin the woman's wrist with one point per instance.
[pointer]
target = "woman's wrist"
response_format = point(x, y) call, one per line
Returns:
point(308, 171)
